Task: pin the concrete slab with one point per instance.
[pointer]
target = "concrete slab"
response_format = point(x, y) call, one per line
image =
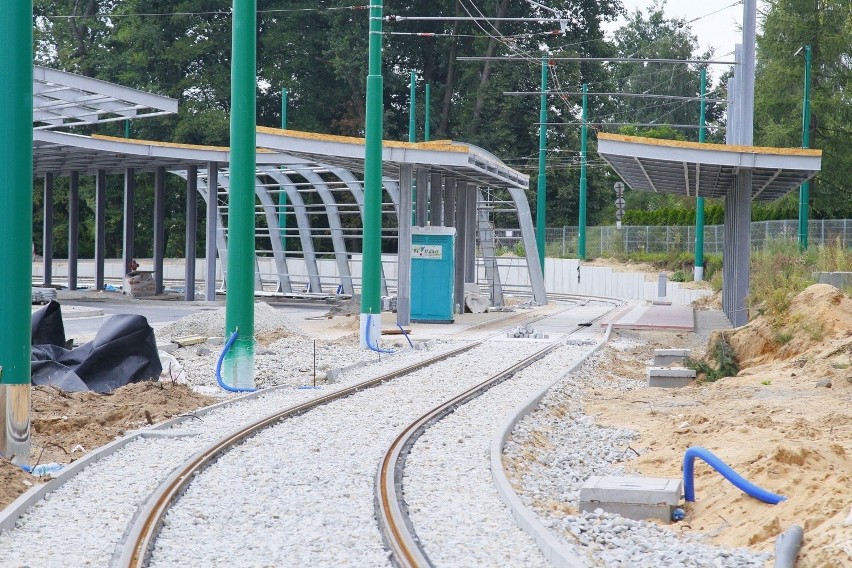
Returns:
point(665, 357)
point(679, 318)
point(670, 377)
point(632, 497)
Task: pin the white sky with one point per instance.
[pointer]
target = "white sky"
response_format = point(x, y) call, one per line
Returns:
point(720, 31)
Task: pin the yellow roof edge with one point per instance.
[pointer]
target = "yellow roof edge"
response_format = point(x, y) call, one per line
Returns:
point(174, 144)
point(710, 146)
point(442, 145)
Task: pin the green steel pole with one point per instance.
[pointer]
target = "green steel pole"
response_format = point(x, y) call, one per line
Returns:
point(427, 113)
point(282, 195)
point(804, 190)
point(239, 306)
point(584, 135)
point(699, 201)
point(412, 109)
point(372, 243)
point(16, 187)
point(541, 193)
point(127, 128)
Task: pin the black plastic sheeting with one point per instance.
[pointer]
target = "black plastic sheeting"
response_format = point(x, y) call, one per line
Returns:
point(124, 351)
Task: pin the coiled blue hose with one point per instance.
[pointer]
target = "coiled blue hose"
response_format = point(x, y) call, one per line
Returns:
point(725, 470)
point(370, 343)
point(219, 380)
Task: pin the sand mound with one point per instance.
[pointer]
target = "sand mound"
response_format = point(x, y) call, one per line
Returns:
point(818, 314)
point(211, 323)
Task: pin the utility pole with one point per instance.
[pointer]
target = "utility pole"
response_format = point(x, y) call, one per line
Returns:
point(584, 134)
point(427, 113)
point(16, 189)
point(698, 273)
point(541, 194)
point(239, 301)
point(412, 109)
point(371, 307)
point(804, 190)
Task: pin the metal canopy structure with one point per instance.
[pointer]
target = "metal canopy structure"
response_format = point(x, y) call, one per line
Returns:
point(321, 176)
point(706, 170)
point(467, 162)
point(61, 153)
point(63, 99)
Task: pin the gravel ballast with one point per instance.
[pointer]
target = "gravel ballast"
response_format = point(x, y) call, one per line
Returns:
point(555, 449)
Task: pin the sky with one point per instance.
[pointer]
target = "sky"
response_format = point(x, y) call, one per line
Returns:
point(720, 30)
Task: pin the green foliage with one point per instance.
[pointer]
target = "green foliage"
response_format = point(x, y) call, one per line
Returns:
point(680, 276)
point(779, 271)
point(788, 26)
point(724, 361)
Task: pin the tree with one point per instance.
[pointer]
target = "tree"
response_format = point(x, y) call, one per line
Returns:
point(825, 25)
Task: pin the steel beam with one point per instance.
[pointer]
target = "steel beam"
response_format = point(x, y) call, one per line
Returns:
point(47, 235)
point(73, 228)
point(159, 227)
point(128, 252)
point(403, 269)
point(191, 232)
point(100, 228)
point(436, 203)
point(212, 216)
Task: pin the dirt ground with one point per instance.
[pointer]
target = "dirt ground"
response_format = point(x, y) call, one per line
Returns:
point(66, 426)
point(784, 423)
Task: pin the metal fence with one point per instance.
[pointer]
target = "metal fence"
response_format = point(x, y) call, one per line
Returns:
point(608, 240)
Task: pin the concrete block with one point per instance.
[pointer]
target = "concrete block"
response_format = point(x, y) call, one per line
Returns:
point(636, 498)
point(665, 357)
point(670, 377)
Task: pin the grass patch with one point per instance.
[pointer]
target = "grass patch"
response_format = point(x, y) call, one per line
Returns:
point(724, 358)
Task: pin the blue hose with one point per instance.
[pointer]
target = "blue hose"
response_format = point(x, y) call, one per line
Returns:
point(725, 470)
point(219, 367)
point(405, 334)
point(370, 343)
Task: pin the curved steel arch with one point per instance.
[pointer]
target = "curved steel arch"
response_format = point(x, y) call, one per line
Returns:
point(341, 256)
point(303, 224)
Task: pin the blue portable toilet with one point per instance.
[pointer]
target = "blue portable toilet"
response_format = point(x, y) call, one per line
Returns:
point(432, 274)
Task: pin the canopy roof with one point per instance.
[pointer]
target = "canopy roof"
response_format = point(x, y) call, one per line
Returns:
point(66, 99)
point(451, 158)
point(706, 170)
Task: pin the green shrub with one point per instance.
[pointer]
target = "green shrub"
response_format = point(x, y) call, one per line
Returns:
point(725, 361)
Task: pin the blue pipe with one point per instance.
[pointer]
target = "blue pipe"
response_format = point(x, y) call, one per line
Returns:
point(219, 367)
point(367, 338)
point(725, 470)
point(405, 334)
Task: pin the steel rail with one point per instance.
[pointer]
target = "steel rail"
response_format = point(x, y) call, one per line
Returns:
point(144, 529)
point(391, 512)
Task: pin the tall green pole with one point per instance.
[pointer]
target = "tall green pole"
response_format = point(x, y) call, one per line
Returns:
point(372, 243)
point(282, 195)
point(16, 188)
point(412, 109)
point(127, 128)
point(804, 190)
point(239, 307)
point(698, 274)
point(541, 193)
point(584, 134)
point(427, 113)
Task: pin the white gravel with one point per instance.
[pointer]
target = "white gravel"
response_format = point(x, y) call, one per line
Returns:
point(71, 528)
point(556, 448)
point(301, 493)
point(448, 470)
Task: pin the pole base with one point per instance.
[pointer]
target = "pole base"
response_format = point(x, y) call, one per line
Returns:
point(15, 423)
point(699, 273)
point(371, 330)
point(238, 367)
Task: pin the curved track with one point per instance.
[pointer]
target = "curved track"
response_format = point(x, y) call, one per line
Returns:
point(391, 510)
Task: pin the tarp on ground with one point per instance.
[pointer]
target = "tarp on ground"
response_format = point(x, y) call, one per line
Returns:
point(124, 351)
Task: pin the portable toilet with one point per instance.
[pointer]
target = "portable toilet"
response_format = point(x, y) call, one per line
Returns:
point(432, 274)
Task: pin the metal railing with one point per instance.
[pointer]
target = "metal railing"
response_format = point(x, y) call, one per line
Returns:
point(608, 240)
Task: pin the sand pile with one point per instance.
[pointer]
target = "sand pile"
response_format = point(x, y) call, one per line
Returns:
point(784, 422)
point(211, 323)
point(818, 314)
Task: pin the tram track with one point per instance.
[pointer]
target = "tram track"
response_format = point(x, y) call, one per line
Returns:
point(397, 528)
point(141, 534)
